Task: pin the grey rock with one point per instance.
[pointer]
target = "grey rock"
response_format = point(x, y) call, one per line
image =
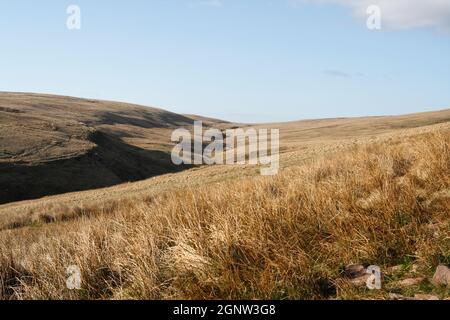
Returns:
point(360, 281)
point(442, 276)
point(354, 271)
point(397, 296)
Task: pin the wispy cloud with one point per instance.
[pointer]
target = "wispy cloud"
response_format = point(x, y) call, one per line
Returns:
point(398, 14)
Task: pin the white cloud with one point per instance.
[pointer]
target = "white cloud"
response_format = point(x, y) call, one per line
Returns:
point(399, 14)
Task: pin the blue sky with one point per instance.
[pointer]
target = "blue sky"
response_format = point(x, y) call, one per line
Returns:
point(241, 60)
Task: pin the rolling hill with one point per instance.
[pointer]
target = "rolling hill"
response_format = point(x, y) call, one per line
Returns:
point(365, 191)
point(47, 141)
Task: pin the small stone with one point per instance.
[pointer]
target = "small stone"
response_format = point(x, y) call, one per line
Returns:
point(425, 297)
point(442, 276)
point(396, 296)
point(353, 271)
point(360, 281)
point(409, 282)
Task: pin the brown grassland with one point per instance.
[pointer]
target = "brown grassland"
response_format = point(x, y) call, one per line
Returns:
point(226, 233)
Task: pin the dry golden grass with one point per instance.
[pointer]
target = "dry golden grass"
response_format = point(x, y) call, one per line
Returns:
point(301, 142)
point(383, 202)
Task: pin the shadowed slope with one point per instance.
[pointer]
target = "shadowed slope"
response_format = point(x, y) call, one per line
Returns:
point(53, 144)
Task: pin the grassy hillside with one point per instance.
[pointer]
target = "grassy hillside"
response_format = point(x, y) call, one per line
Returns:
point(374, 195)
point(46, 141)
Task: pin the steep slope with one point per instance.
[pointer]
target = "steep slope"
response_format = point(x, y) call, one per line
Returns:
point(53, 144)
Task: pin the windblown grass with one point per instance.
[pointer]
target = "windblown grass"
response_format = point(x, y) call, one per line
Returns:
point(283, 237)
